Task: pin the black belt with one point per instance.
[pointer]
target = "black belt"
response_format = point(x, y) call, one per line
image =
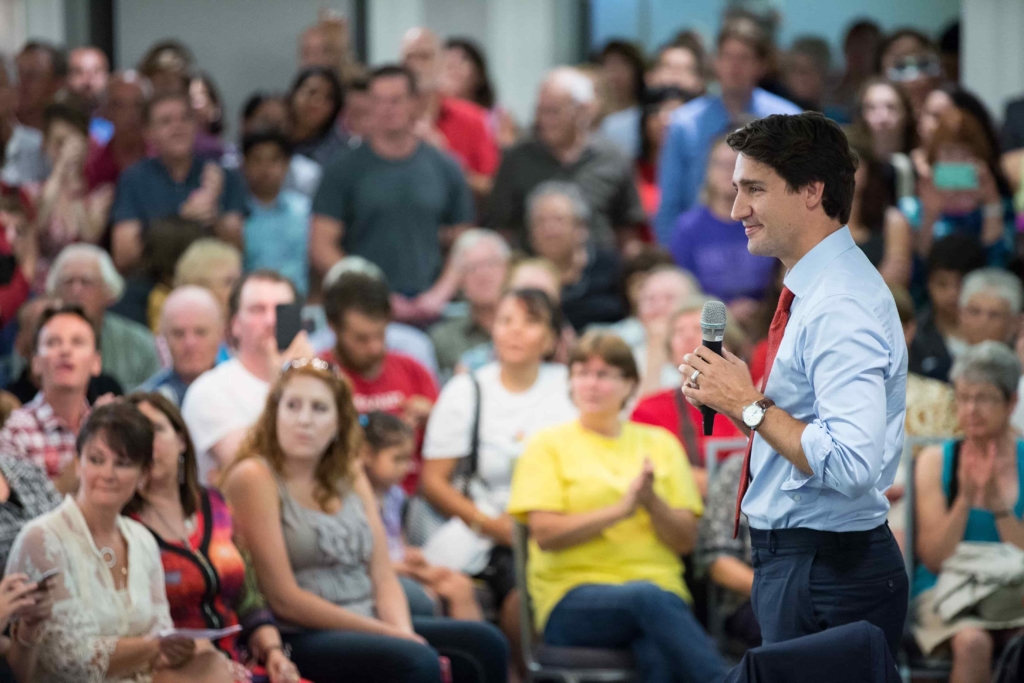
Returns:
point(814, 538)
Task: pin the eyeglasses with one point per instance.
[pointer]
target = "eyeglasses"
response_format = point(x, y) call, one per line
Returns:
point(981, 400)
point(315, 363)
point(600, 375)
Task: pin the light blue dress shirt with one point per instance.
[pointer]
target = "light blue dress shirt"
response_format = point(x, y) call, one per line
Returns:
point(842, 369)
point(684, 158)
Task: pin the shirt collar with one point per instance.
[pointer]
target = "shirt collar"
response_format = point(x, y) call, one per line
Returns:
point(801, 276)
point(48, 419)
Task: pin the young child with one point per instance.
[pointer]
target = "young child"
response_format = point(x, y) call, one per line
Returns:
point(277, 220)
point(387, 457)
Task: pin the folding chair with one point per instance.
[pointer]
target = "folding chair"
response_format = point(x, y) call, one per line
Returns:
point(567, 664)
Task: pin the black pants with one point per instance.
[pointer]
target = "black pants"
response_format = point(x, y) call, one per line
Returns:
point(806, 581)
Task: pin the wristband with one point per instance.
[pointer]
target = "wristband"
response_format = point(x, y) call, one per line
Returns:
point(16, 632)
point(1002, 513)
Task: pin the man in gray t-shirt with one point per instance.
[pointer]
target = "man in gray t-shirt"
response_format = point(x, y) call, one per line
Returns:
point(389, 198)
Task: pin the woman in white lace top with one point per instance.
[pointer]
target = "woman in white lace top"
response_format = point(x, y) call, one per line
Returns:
point(109, 601)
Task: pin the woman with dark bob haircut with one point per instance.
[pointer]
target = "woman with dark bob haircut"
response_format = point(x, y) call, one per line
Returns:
point(109, 598)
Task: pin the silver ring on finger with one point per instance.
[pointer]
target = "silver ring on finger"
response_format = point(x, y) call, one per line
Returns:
point(694, 376)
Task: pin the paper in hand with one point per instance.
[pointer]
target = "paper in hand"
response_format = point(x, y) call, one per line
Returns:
point(199, 633)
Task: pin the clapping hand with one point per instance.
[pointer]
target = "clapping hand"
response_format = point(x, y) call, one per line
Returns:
point(175, 652)
point(640, 491)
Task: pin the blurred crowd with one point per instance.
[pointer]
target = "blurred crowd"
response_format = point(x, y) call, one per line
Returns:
point(320, 378)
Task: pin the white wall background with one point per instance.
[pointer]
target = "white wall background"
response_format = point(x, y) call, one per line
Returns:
point(993, 52)
point(246, 45)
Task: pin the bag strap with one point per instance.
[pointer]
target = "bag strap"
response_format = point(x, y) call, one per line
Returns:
point(474, 439)
point(687, 434)
point(954, 480)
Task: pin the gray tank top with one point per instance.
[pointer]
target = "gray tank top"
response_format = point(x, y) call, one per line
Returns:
point(330, 553)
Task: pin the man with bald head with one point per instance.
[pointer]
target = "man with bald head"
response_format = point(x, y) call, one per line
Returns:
point(452, 124)
point(563, 149)
point(124, 107)
point(193, 327)
point(88, 73)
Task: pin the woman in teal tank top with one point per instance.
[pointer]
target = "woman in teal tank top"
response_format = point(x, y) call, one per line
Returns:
point(970, 490)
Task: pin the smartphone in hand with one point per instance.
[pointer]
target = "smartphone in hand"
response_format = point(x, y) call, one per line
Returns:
point(289, 324)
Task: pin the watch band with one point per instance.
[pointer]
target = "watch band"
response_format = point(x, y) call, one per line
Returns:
point(764, 404)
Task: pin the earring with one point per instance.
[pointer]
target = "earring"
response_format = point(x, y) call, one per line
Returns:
point(181, 468)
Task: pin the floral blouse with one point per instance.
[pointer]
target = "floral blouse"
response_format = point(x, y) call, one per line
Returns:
point(89, 614)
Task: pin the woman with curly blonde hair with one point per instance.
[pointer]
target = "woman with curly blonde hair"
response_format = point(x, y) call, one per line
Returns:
point(308, 514)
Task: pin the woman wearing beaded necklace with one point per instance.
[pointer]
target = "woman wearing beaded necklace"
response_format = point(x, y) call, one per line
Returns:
point(205, 573)
point(109, 601)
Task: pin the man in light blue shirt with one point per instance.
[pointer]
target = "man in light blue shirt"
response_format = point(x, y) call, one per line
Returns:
point(739, 64)
point(828, 429)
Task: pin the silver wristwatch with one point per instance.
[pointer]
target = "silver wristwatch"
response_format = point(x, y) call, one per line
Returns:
point(753, 415)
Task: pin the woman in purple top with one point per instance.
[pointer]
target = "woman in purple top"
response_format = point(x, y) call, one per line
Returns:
point(712, 246)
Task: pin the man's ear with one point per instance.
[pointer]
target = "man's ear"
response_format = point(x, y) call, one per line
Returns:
point(813, 193)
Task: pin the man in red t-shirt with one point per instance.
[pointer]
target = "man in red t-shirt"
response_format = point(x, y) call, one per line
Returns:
point(358, 309)
point(455, 125)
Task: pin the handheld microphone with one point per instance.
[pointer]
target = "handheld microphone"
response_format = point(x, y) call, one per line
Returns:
point(712, 331)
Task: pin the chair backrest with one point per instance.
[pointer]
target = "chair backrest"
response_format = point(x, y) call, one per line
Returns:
point(520, 553)
point(715, 446)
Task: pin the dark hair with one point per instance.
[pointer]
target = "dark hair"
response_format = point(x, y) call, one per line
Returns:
point(58, 57)
point(125, 430)
point(257, 100)
point(649, 105)
point(906, 32)
point(216, 127)
point(383, 430)
point(859, 27)
point(539, 306)
point(358, 83)
point(967, 101)
point(165, 51)
point(392, 71)
point(802, 149)
point(646, 260)
point(959, 252)
point(634, 57)
point(159, 98)
point(909, 122)
point(483, 94)
point(73, 116)
point(188, 485)
point(357, 292)
point(51, 312)
point(265, 274)
point(877, 194)
point(337, 93)
point(265, 136)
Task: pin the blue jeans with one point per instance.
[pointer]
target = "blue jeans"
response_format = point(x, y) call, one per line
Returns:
point(420, 604)
point(667, 641)
point(478, 652)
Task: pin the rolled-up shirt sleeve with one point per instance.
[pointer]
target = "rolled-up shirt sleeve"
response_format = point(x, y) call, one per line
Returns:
point(846, 354)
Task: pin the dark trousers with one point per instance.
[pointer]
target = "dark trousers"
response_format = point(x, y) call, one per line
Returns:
point(806, 581)
point(668, 643)
point(478, 653)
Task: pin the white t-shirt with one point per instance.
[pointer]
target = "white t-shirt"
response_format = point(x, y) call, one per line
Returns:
point(507, 421)
point(219, 402)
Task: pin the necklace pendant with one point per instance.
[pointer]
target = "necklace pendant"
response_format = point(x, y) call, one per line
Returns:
point(109, 556)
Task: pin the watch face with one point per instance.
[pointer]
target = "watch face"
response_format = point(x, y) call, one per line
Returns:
point(752, 415)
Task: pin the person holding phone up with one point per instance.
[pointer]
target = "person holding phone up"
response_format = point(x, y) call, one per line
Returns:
point(965, 191)
point(222, 403)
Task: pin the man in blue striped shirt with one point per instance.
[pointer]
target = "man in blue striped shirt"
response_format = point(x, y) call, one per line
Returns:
point(828, 428)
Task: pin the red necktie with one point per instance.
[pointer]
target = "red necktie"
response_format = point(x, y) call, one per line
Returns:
point(775, 333)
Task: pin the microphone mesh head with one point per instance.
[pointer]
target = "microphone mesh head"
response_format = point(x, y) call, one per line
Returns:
point(713, 314)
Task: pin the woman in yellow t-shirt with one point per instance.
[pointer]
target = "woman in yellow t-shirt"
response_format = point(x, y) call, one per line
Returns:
point(611, 507)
